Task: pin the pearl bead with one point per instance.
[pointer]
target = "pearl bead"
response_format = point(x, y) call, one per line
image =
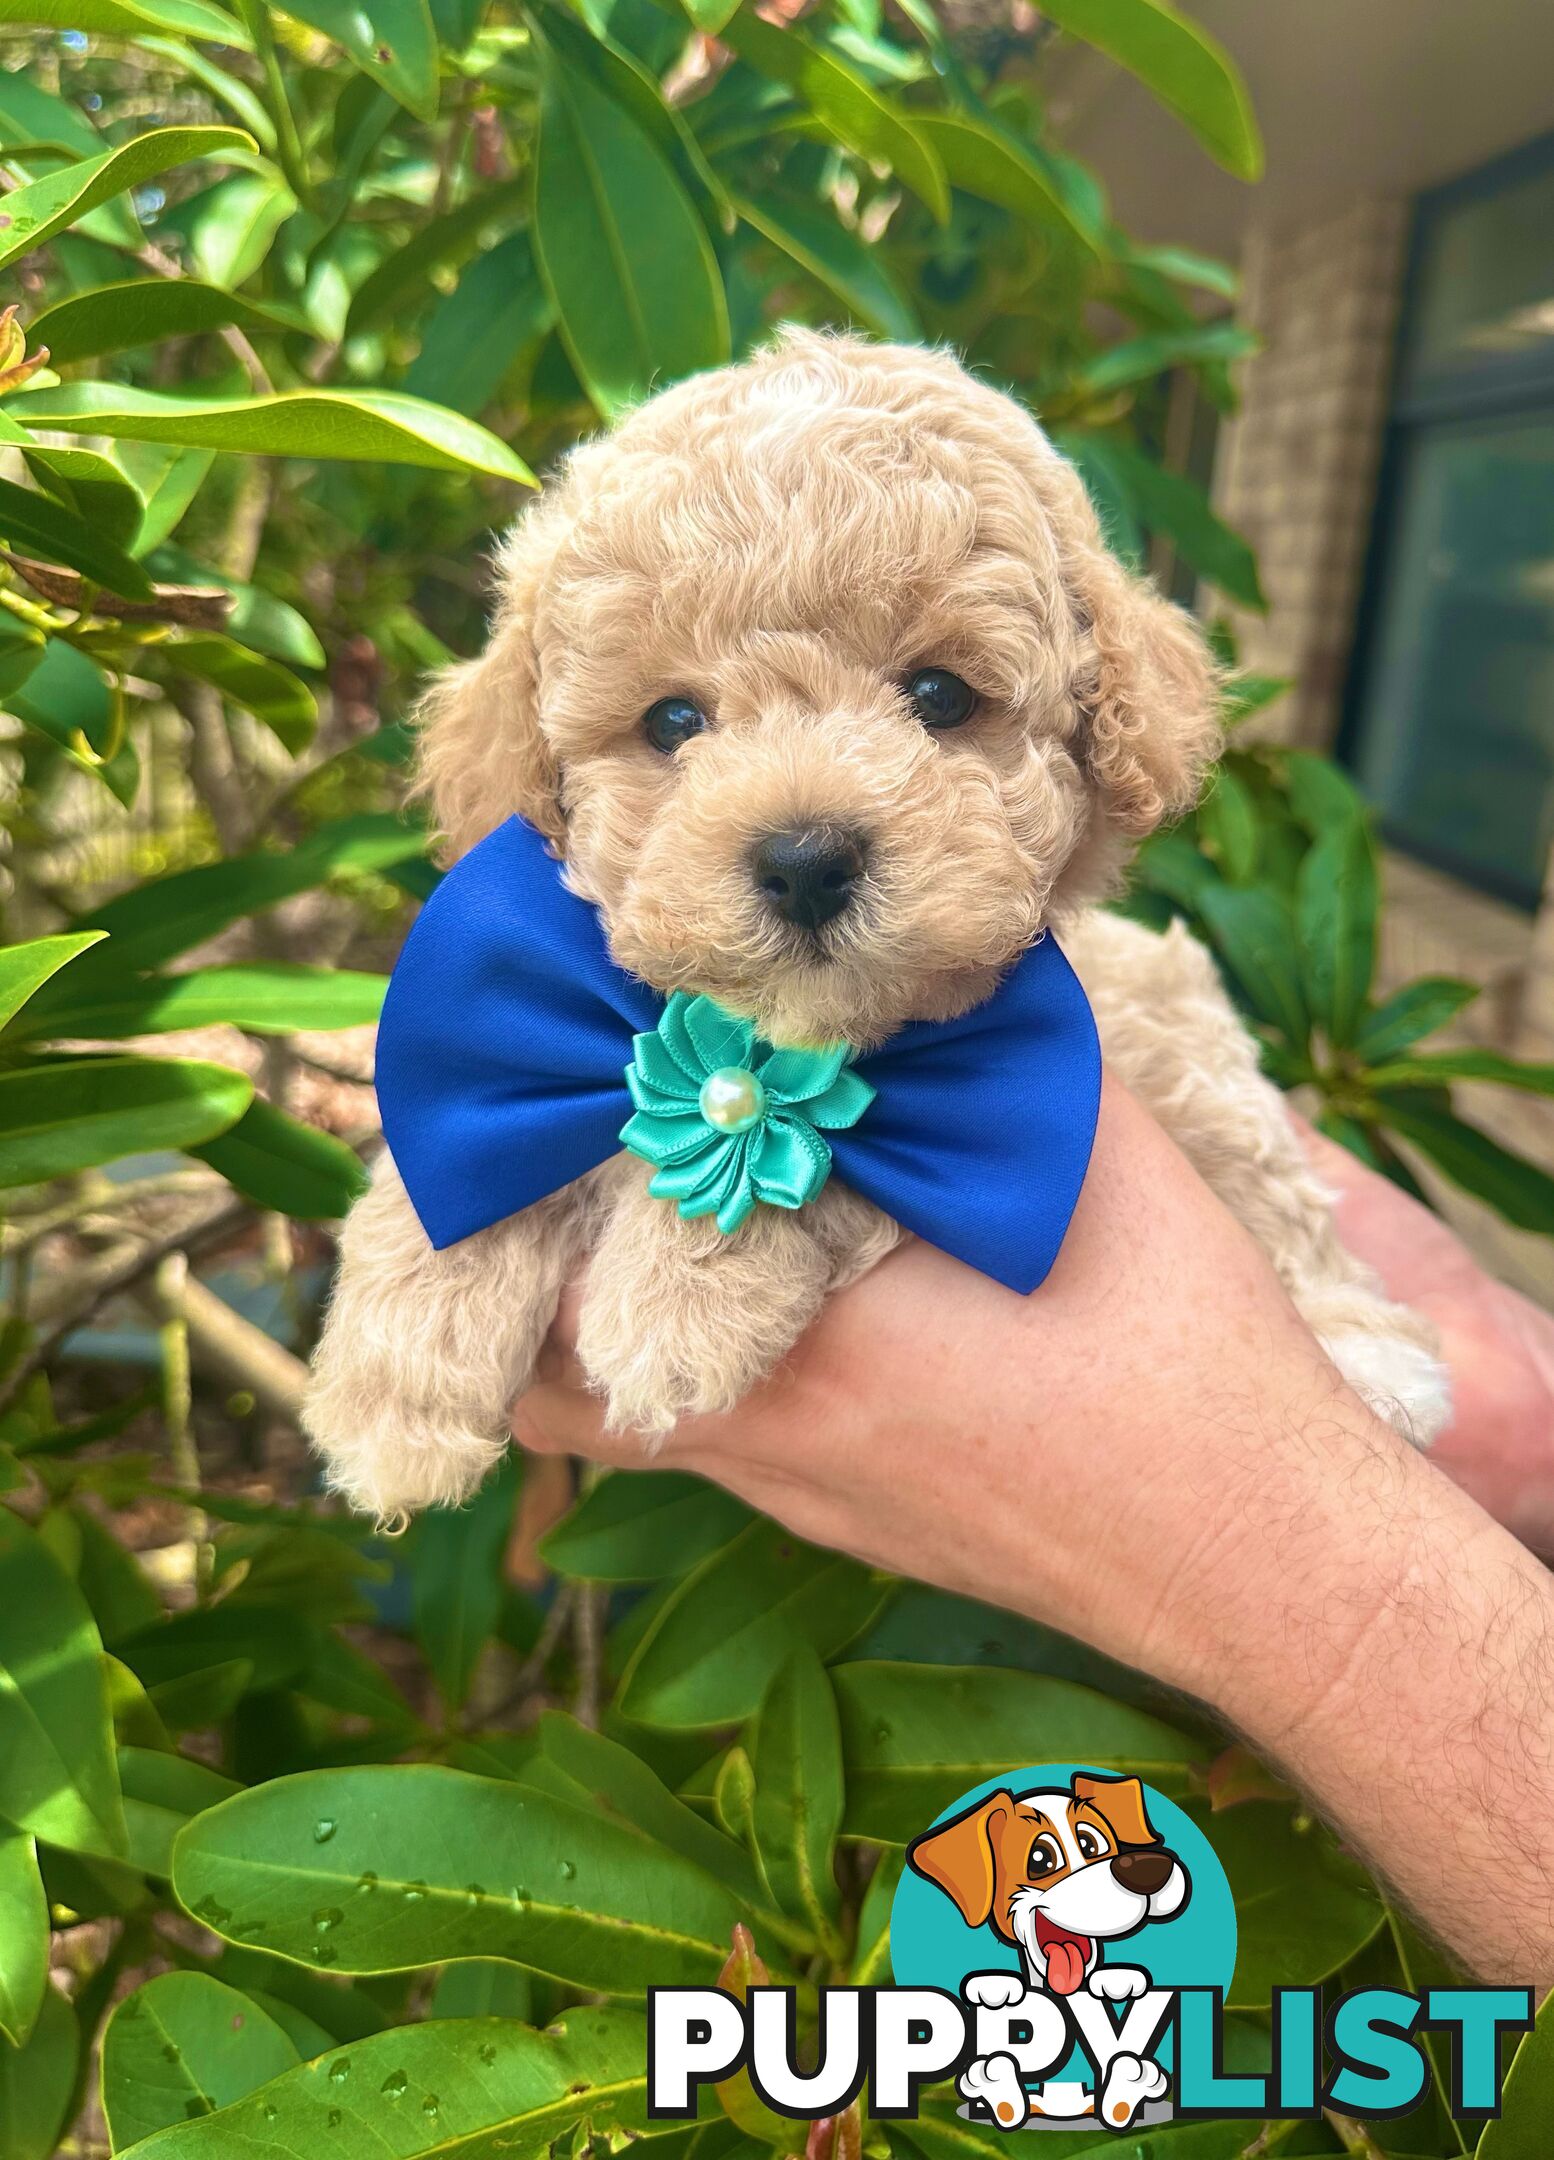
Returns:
point(732, 1099)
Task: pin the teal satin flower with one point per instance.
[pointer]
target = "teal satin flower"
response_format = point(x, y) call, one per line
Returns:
point(727, 1119)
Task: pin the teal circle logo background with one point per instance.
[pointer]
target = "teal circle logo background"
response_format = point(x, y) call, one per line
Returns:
point(931, 1945)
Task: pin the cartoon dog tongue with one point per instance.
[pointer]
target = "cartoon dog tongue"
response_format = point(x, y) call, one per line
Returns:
point(1067, 1955)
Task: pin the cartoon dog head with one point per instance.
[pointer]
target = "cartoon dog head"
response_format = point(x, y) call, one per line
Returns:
point(1056, 1873)
point(817, 673)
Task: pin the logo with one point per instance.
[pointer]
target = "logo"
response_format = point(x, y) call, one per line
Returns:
point(1063, 1944)
point(1067, 1909)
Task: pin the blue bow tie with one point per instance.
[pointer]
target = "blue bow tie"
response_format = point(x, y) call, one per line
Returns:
point(508, 1034)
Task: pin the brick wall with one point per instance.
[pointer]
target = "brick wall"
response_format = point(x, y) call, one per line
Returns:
point(1297, 466)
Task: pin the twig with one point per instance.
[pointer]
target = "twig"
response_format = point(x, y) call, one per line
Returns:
point(172, 1296)
point(1353, 2135)
point(241, 1356)
point(151, 257)
point(588, 1645)
point(130, 1269)
point(196, 607)
point(532, 1670)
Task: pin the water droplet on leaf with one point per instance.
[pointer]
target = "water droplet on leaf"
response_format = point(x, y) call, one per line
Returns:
point(394, 2084)
point(324, 1829)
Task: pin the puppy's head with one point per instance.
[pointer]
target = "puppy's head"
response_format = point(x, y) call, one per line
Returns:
point(1057, 1873)
point(818, 675)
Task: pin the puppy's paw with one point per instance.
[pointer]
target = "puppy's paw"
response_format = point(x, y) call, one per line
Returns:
point(995, 2080)
point(993, 1990)
point(1130, 2082)
point(391, 1457)
point(1117, 1983)
point(1402, 1381)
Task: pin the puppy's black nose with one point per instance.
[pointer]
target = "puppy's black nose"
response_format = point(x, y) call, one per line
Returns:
point(808, 876)
point(1145, 1872)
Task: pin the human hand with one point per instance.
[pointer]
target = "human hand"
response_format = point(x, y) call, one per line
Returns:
point(1098, 1455)
point(1498, 1345)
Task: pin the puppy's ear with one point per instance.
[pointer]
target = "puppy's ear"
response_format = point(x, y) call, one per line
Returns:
point(1121, 1801)
point(958, 1857)
point(482, 753)
point(1148, 692)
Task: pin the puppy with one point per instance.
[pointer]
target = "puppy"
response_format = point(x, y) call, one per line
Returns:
point(843, 604)
point(1057, 1874)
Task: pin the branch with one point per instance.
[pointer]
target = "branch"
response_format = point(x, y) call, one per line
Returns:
point(122, 1274)
point(196, 607)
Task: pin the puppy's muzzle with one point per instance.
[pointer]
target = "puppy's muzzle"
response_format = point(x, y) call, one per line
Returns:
point(1144, 1872)
point(808, 876)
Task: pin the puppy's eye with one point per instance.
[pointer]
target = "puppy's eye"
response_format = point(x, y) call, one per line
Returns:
point(1045, 1856)
point(940, 699)
point(1090, 1842)
point(673, 721)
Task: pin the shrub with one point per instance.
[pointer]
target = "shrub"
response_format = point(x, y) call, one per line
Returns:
point(287, 288)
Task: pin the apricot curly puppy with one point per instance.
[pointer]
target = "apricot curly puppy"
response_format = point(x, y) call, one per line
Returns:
point(812, 553)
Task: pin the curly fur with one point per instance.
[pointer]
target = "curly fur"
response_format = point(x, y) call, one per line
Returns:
point(785, 541)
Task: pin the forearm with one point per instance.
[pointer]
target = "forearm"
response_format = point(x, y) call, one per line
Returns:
point(1393, 1651)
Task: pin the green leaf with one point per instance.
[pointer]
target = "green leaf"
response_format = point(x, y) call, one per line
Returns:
point(1336, 902)
point(30, 115)
point(844, 103)
point(1171, 504)
point(24, 1935)
point(258, 619)
point(382, 1869)
point(260, 686)
point(57, 1773)
point(1244, 695)
point(1186, 69)
point(625, 256)
point(473, 336)
point(643, 1525)
point(715, 1643)
point(180, 2047)
point(1416, 1010)
point(37, 2082)
point(479, 2087)
point(484, 1988)
point(32, 214)
point(984, 158)
point(267, 997)
point(1303, 1906)
point(592, 1771)
point(71, 1115)
point(155, 921)
point(1321, 794)
point(37, 525)
point(796, 1814)
point(845, 264)
point(24, 968)
point(280, 1163)
point(1141, 359)
point(84, 481)
point(1441, 1067)
point(915, 1737)
point(392, 41)
point(228, 230)
point(143, 311)
point(376, 426)
point(1520, 1190)
point(168, 479)
point(161, 1793)
point(1228, 826)
point(1521, 2130)
point(131, 18)
point(1254, 934)
point(457, 1580)
point(404, 277)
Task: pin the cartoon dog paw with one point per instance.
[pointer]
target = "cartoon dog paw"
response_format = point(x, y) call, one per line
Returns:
point(994, 1990)
point(1118, 1983)
point(995, 2080)
point(1130, 2081)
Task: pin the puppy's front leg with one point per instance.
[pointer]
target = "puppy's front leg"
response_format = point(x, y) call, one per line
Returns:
point(423, 1351)
point(679, 1320)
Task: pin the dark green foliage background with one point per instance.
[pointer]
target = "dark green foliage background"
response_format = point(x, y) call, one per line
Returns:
point(357, 1848)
